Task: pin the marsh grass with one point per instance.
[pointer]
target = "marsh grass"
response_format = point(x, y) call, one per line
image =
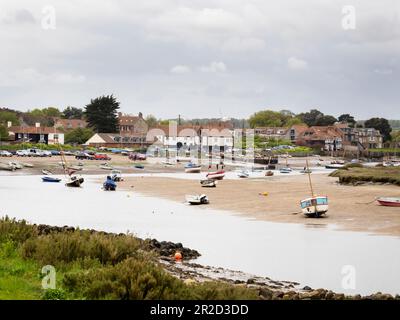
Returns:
point(351, 175)
point(92, 265)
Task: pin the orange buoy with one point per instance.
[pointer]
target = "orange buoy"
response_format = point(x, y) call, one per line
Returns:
point(178, 256)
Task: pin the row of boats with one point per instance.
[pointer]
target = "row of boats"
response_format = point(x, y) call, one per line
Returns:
point(14, 165)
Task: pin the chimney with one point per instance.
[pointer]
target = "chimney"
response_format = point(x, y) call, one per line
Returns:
point(37, 124)
point(9, 124)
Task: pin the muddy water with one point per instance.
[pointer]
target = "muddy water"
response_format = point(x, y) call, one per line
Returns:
point(314, 256)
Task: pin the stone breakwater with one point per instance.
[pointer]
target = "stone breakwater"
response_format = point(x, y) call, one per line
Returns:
point(162, 248)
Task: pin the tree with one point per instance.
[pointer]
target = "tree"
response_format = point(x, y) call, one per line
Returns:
point(101, 114)
point(3, 133)
point(382, 125)
point(325, 120)
point(151, 121)
point(347, 118)
point(6, 116)
point(316, 118)
point(269, 118)
point(78, 136)
point(72, 113)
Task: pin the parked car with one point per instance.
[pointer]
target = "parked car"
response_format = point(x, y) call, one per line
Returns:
point(101, 156)
point(46, 153)
point(83, 156)
point(5, 153)
point(137, 156)
point(23, 153)
point(55, 152)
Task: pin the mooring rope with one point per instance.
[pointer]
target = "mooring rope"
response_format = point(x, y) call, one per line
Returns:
point(367, 202)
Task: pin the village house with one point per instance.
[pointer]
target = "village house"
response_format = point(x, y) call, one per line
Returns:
point(69, 124)
point(115, 140)
point(132, 125)
point(36, 134)
point(271, 132)
point(363, 138)
point(209, 137)
point(294, 132)
point(327, 138)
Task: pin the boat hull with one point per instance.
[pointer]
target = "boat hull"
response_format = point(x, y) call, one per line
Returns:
point(50, 179)
point(193, 170)
point(75, 183)
point(389, 202)
point(216, 175)
point(315, 206)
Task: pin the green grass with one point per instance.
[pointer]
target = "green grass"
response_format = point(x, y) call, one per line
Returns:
point(92, 266)
point(352, 174)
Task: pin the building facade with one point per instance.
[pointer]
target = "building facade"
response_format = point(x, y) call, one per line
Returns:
point(37, 134)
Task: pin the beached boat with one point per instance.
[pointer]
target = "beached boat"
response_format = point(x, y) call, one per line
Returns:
point(27, 165)
point(138, 166)
point(7, 166)
point(314, 206)
point(106, 167)
point(116, 175)
point(192, 168)
point(197, 199)
point(218, 175)
point(50, 179)
point(74, 181)
point(285, 170)
point(334, 166)
point(47, 172)
point(306, 170)
point(109, 184)
point(389, 201)
point(208, 183)
point(17, 165)
point(243, 174)
point(269, 174)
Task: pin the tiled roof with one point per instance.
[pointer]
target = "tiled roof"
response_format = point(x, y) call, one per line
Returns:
point(31, 130)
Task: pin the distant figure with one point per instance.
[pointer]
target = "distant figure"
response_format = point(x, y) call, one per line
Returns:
point(217, 166)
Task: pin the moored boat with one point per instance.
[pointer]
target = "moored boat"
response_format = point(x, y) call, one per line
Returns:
point(192, 168)
point(47, 172)
point(106, 167)
point(138, 166)
point(334, 166)
point(243, 174)
point(314, 206)
point(50, 179)
point(285, 170)
point(218, 175)
point(6, 166)
point(389, 201)
point(208, 183)
point(74, 181)
point(269, 174)
point(116, 175)
point(197, 199)
point(17, 165)
point(109, 184)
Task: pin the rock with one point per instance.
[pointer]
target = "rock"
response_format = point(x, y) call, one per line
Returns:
point(189, 282)
point(307, 288)
point(277, 295)
point(250, 281)
point(266, 293)
point(312, 295)
point(338, 296)
point(329, 295)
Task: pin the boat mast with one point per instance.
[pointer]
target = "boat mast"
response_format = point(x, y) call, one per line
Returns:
point(309, 178)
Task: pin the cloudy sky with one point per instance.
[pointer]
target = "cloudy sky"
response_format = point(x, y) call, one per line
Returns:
point(203, 58)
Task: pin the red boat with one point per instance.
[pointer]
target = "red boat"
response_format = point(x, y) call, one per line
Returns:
point(218, 175)
point(389, 202)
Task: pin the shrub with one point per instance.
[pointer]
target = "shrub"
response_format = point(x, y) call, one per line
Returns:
point(54, 294)
point(63, 248)
point(16, 231)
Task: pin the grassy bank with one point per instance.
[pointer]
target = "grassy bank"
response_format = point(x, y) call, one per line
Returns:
point(355, 174)
point(92, 265)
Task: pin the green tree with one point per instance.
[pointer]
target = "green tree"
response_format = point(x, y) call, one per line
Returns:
point(151, 121)
point(72, 113)
point(316, 118)
point(269, 118)
point(6, 116)
point(347, 118)
point(78, 136)
point(3, 133)
point(101, 114)
point(382, 125)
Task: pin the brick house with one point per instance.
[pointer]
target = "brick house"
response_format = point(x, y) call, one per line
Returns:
point(327, 138)
point(69, 124)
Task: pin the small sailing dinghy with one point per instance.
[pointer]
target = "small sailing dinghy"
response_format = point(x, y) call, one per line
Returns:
point(285, 170)
point(74, 181)
point(116, 175)
point(192, 168)
point(218, 175)
point(50, 179)
point(243, 174)
point(208, 183)
point(389, 201)
point(197, 199)
point(106, 166)
point(109, 184)
point(315, 206)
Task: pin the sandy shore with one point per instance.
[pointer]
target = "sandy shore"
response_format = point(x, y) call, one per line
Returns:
point(348, 208)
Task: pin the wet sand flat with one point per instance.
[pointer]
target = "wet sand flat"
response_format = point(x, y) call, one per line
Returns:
point(348, 208)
